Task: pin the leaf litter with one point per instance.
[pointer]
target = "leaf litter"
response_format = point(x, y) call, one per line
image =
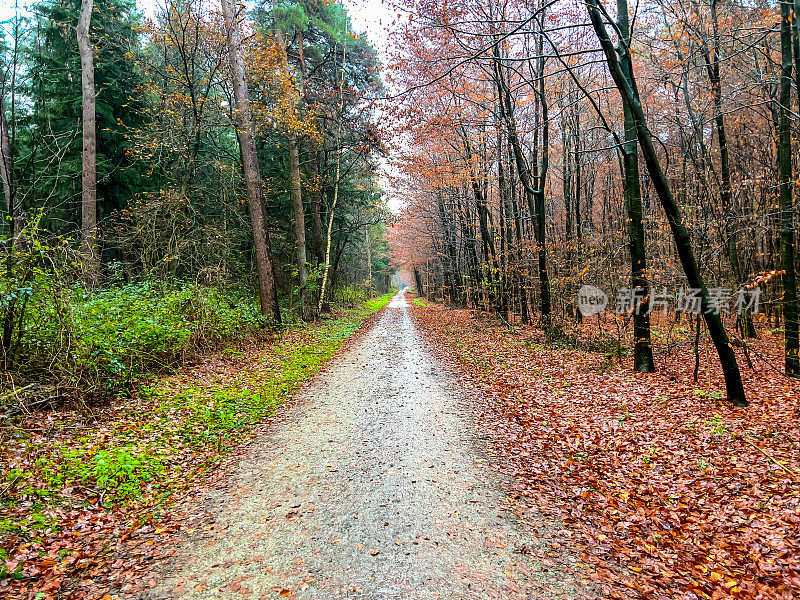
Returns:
point(664, 489)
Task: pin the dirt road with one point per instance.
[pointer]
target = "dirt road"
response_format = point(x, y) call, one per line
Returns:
point(371, 486)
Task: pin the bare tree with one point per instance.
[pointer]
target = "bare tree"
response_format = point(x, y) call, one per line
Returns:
point(626, 84)
point(792, 365)
point(642, 350)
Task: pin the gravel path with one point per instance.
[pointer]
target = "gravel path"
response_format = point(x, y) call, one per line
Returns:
point(371, 486)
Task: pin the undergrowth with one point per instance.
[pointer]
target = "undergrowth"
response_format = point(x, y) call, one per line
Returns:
point(141, 451)
point(99, 344)
point(62, 341)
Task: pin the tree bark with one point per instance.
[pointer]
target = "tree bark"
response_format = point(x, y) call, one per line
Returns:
point(90, 257)
point(540, 216)
point(518, 229)
point(316, 207)
point(630, 95)
point(642, 349)
point(418, 283)
point(792, 362)
point(368, 244)
point(796, 23)
point(577, 189)
point(297, 201)
point(299, 228)
point(268, 293)
point(7, 173)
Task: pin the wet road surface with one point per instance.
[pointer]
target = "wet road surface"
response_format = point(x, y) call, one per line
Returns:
point(371, 486)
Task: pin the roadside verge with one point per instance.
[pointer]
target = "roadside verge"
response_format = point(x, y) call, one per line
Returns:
point(88, 496)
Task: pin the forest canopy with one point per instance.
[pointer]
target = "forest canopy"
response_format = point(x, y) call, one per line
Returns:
point(642, 156)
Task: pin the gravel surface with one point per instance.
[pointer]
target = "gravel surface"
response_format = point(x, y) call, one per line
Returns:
point(371, 486)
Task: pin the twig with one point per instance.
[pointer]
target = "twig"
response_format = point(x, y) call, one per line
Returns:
point(769, 364)
point(15, 391)
point(23, 409)
point(9, 486)
point(784, 467)
point(509, 325)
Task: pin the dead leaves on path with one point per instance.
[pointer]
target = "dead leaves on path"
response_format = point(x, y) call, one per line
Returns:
point(666, 491)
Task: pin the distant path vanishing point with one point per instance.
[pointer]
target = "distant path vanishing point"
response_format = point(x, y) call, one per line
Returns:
point(371, 486)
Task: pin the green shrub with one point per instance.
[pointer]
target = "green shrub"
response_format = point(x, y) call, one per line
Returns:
point(375, 304)
point(352, 295)
point(102, 342)
point(98, 343)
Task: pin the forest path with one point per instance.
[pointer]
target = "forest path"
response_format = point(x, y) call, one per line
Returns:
point(370, 486)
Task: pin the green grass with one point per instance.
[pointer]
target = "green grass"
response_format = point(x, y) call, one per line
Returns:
point(419, 302)
point(375, 304)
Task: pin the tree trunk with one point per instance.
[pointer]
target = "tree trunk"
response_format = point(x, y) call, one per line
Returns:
point(630, 95)
point(796, 23)
point(642, 350)
point(90, 256)
point(792, 363)
point(729, 210)
point(577, 189)
point(540, 216)
point(520, 279)
point(532, 183)
point(506, 235)
point(299, 228)
point(316, 206)
point(318, 246)
point(336, 181)
point(418, 283)
point(453, 285)
point(487, 240)
point(469, 235)
point(268, 293)
point(297, 201)
point(6, 174)
point(368, 244)
point(566, 177)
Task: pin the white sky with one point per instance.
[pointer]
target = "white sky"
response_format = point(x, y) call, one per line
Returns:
point(374, 18)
